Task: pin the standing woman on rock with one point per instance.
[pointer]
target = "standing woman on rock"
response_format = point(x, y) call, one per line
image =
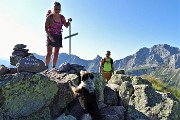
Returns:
point(53, 26)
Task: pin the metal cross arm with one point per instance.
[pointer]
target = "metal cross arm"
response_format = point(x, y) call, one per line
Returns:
point(71, 35)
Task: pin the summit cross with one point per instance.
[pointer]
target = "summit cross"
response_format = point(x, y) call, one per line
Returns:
point(70, 35)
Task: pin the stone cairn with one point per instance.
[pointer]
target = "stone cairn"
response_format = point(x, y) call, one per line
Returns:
point(24, 61)
point(18, 53)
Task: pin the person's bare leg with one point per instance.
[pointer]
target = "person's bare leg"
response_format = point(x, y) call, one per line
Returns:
point(48, 56)
point(56, 53)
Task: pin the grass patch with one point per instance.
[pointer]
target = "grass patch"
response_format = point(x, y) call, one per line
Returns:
point(175, 92)
point(160, 86)
point(139, 68)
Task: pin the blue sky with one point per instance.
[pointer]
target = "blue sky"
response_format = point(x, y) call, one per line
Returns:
point(121, 26)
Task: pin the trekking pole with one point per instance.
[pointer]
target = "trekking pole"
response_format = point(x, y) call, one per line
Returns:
point(70, 41)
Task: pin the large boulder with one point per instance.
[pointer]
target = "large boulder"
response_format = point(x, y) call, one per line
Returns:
point(75, 109)
point(100, 86)
point(64, 95)
point(23, 94)
point(136, 80)
point(70, 68)
point(111, 95)
point(30, 64)
point(125, 92)
point(146, 103)
point(119, 79)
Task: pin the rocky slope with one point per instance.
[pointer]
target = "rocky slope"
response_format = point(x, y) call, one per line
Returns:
point(29, 96)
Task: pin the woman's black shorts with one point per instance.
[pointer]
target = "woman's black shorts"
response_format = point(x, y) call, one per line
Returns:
point(57, 38)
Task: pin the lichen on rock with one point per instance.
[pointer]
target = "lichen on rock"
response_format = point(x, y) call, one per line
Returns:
point(25, 93)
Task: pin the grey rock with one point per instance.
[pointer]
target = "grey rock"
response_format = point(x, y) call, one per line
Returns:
point(66, 117)
point(86, 117)
point(65, 94)
point(116, 79)
point(100, 86)
point(30, 64)
point(3, 70)
point(119, 78)
point(113, 112)
point(146, 103)
point(125, 92)
point(12, 70)
point(70, 68)
point(18, 53)
point(20, 46)
point(111, 96)
point(15, 59)
point(23, 94)
point(136, 80)
point(23, 53)
point(75, 109)
point(112, 117)
point(174, 61)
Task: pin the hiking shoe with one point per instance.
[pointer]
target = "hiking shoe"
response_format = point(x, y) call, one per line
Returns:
point(46, 71)
point(54, 69)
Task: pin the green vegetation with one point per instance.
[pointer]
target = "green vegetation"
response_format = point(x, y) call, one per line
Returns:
point(175, 92)
point(170, 76)
point(139, 68)
point(160, 86)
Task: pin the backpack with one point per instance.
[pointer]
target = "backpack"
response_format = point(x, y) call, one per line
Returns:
point(49, 13)
point(107, 64)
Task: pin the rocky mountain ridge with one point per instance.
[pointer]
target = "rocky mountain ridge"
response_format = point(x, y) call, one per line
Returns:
point(154, 61)
point(154, 56)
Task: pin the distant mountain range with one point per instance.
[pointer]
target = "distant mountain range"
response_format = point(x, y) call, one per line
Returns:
point(161, 61)
point(150, 57)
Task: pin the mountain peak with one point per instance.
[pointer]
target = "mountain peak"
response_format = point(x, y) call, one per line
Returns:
point(161, 45)
point(98, 57)
point(165, 49)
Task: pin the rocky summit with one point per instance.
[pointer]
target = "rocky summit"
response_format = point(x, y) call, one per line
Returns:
point(47, 96)
point(29, 93)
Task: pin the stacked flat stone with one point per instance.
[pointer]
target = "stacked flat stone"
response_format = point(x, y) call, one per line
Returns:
point(18, 53)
